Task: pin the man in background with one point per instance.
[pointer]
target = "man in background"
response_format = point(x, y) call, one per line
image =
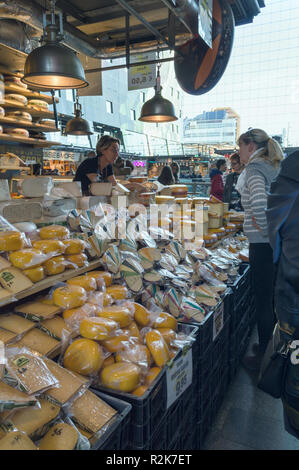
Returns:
point(231, 195)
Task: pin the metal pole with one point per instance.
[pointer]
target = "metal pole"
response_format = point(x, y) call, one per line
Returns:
point(114, 67)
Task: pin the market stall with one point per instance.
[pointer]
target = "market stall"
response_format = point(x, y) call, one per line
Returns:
point(145, 328)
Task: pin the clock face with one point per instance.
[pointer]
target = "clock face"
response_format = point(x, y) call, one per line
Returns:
point(199, 68)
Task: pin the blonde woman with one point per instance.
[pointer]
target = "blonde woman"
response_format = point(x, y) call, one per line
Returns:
point(261, 156)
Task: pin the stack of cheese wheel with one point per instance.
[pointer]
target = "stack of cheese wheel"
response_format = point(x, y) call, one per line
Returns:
point(11, 82)
point(16, 99)
point(38, 104)
point(179, 190)
point(19, 116)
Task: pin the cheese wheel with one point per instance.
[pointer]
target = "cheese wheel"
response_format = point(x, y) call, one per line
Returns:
point(49, 246)
point(54, 232)
point(2, 112)
point(97, 328)
point(79, 313)
point(165, 320)
point(11, 241)
point(76, 261)
point(117, 313)
point(22, 100)
point(168, 334)
point(138, 354)
point(117, 292)
point(152, 374)
point(16, 131)
point(35, 274)
point(107, 300)
point(158, 347)
point(87, 282)
point(139, 391)
point(84, 356)
point(27, 258)
point(37, 104)
point(69, 296)
point(141, 315)
point(121, 376)
point(133, 331)
point(74, 246)
point(54, 265)
point(116, 343)
point(61, 436)
point(164, 199)
point(105, 275)
point(19, 116)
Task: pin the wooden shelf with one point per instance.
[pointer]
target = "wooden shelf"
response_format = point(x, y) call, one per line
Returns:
point(27, 140)
point(29, 93)
point(34, 112)
point(49, 282)
point(28, 125)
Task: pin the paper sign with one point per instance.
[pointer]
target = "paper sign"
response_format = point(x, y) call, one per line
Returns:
point(142, 76)
point(179, 377)
point(218, 320)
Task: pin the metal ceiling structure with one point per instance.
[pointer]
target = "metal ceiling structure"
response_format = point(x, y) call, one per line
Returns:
point(109, 28)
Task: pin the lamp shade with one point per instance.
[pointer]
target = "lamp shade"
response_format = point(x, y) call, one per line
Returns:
point(78, 126)
point(158, 109)
point(53, 66)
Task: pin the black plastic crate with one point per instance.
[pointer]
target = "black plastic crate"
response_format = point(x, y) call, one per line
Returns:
point(240, 287)
point(204, 426)
point(116, 436)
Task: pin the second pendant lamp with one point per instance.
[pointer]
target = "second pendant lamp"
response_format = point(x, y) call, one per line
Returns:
point(78, 125)
point(158, 109)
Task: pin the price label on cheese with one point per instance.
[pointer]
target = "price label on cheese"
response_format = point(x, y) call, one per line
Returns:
point(218, 320)
point(179, 377)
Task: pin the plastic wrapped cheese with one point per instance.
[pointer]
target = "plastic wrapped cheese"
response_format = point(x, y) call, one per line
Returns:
point(117, 292)
point(35, 274)
point(83, 356)
point(12, 241)
point(56, 232)
point(37, 186)
point(74, 246)
point(141, 315)
point(158, 347)
point(120, 314)
point(69, 296)
point(27, 258)
point(76, 261)
point(97, 328)
point(54, 265)
point(87, 282)
point(101, 275)
point(121, 376)
point(49, 246)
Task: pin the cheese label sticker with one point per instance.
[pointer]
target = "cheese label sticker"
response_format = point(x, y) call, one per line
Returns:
point(21, 361)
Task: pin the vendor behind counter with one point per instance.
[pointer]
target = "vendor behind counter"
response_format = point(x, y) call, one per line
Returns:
point(99, 168)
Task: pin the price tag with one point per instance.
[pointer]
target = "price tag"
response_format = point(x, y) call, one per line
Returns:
point(179, 377)
point(142, 76)
point(218, 320)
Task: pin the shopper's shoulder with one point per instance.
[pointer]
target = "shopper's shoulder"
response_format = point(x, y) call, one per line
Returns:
point(290, 166)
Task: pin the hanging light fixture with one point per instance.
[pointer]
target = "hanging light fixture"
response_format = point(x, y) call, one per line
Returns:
point(53, 66)
point(158, 109)
point(78, 125)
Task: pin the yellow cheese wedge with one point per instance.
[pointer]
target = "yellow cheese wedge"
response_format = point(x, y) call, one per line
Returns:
point(17, 440)
point(84, 356)
point(122, 376)
point(61, 436)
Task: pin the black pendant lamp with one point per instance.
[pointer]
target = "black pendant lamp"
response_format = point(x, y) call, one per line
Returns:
point(158, 109)
point(53, 66)
point(78, 125)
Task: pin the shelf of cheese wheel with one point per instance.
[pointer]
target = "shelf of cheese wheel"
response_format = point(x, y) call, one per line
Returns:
point(27, 267)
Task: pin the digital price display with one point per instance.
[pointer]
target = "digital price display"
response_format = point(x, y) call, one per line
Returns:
point(139, 163)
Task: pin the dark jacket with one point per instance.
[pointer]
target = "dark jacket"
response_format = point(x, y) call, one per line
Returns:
point(217, 186)
point(283, 227)
point(230, 194)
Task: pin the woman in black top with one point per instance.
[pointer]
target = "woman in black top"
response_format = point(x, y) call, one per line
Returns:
point(99, 168)
point(166, 176)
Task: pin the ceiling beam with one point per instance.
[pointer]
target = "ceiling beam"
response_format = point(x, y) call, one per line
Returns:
point(71, 10)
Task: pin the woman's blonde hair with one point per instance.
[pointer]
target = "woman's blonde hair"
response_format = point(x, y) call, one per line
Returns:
point(270, 148)
point(104, 143)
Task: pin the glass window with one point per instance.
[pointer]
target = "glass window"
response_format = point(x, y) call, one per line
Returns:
point(133, 114)
point(109, 107)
